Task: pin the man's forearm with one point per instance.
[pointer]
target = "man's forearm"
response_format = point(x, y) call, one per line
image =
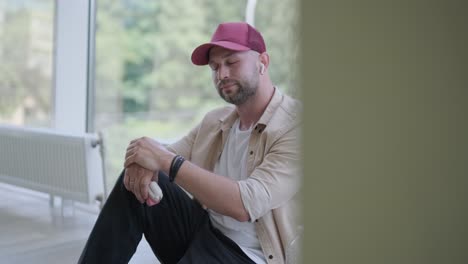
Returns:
point(218, 193)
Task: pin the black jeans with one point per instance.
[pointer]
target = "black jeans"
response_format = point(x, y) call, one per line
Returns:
point(178, 230)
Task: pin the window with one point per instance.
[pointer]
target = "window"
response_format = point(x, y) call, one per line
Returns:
point(26, 53)
point(145, 82)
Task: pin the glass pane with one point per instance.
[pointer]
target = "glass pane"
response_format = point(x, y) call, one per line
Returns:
point(277, 20)
point(26, 68)
point(146, 84)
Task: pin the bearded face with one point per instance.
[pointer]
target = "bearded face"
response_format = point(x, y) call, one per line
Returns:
point(237, 92)
point(235, 74)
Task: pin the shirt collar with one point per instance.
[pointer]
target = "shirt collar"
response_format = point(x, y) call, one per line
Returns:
point(271, 108)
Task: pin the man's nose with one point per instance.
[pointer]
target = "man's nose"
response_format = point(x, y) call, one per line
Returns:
point(223, 72)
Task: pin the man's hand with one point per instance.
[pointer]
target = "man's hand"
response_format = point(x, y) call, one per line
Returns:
point(149, 154)
point(137, 180)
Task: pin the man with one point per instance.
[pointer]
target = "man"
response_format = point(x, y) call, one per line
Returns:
point(240, 164)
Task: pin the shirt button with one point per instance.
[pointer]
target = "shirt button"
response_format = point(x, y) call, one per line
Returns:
point(270, 257)
point(256, 220)
point(251, 152)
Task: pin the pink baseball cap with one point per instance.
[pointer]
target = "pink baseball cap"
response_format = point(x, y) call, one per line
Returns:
point(238, 36)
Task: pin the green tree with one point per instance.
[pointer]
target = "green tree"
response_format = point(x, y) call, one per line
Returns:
point(278, 21)
point(25, 71)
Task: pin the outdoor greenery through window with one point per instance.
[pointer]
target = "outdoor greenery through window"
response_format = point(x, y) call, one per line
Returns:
point(26, 56)
point(146, 84)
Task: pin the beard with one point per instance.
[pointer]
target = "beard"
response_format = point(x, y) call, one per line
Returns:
point(244, 91)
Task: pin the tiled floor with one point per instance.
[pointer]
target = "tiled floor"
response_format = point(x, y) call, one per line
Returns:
point(33, 232)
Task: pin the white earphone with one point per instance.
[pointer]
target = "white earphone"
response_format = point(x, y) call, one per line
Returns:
point(262, 68)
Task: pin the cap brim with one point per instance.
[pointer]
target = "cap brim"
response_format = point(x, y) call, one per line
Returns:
point(200, 54)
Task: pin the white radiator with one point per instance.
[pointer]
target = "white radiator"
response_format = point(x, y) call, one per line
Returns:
point(65, 165)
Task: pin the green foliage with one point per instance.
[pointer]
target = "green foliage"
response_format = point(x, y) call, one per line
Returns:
point(278, 20)
point(145, 50)
point(25, 79)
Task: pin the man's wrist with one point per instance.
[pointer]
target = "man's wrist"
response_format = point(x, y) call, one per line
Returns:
point(167, 162)
point(175, 166)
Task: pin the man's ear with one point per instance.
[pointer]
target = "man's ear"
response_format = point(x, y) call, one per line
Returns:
point(264, 62)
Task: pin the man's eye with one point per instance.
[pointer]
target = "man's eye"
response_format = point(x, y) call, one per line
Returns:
point(230, 62)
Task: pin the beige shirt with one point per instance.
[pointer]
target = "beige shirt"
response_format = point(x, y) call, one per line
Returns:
point(270, 193)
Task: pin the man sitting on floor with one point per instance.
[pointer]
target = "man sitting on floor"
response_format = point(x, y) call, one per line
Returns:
point(241, 164)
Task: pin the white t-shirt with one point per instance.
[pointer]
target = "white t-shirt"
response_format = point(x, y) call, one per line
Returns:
point(232, 164)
